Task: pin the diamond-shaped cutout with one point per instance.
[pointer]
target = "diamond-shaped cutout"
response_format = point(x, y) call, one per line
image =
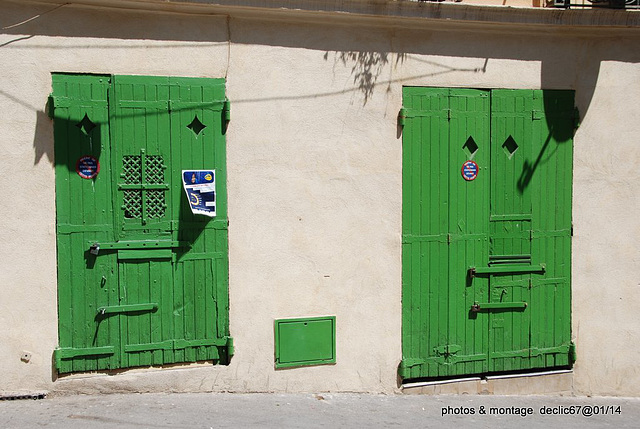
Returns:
point(470, 147)
point(196, 126)
point(510, 146)
point(86, 125)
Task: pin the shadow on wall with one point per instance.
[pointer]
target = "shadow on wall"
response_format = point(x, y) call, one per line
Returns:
point(24, 21)
point(366, 68)
point(368, 53)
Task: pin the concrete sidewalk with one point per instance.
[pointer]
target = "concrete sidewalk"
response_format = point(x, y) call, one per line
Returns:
point(260, 410)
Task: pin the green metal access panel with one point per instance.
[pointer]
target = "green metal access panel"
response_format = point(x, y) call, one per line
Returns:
point(305, 341)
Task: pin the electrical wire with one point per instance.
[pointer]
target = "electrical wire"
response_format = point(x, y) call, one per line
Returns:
point(34, 17)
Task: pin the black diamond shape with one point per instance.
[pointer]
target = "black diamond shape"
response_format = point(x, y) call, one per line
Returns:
point(196, 126)
point(86, 125)
point(510, 146)
point(470, 146)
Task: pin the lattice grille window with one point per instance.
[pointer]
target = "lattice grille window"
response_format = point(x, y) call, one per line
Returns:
point(131, 169)
point(143, 187)
point(155, 169)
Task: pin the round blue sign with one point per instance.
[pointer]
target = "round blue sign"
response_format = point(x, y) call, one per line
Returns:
point(469, 170)
point(87, 167)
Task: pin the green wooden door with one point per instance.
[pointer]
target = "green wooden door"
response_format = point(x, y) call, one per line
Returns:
point(486, 262)
point(155, 276)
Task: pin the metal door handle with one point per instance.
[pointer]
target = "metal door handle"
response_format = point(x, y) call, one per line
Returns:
point(480, 306)
point(127, 308)
point(95, 247)
point(506, 269)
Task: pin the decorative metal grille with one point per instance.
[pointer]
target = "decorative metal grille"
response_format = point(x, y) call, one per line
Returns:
point(143, 203)
point(133, 204)
point(155, 204)
point(155, 169)
point(155, 175)
point(131, 169)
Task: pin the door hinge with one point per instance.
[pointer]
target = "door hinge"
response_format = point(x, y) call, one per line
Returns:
point(572, 353)
point(226, 107)
point(448, 350)
point(448, 114)
point(449, 238)
point(536, 115)
point(50, 106)
point(402, 116)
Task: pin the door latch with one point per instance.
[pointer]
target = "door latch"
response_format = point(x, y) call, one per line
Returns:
point(94, 249)
point(481, 306)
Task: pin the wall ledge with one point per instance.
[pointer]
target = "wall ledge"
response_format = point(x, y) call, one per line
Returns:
point(390, 13)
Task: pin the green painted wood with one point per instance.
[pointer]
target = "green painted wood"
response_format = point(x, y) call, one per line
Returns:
point(114, 309)
point(62, 356)
point(145, 254)
point(511, 224)
point(550, 174)
point(152, 249)
point(140, 244)
point(505, 269)
point(201, 274)
point(82, 207)
point(468, 212)
point(305, 341)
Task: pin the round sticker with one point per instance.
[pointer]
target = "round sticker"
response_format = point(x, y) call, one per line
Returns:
point(469, 170)
point(87, 167)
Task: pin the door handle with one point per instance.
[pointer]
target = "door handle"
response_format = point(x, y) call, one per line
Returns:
point(131, 308)
point(95, 247)
point(480, 306)
point(506, 269)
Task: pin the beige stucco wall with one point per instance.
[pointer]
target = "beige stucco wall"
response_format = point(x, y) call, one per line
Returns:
point(314, 182)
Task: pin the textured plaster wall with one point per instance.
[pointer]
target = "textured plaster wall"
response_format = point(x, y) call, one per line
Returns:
point(314, 183)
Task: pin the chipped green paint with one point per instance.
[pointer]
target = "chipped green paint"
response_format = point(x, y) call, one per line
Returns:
point(129, 250)
point(486, 262)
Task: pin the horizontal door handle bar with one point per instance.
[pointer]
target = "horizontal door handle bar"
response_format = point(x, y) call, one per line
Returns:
point(95, 247)
point(506, 269)
point(131, 308)
point(480, 306)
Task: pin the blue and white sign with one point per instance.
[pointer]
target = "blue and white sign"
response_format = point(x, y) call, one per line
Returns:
point(87, 167)
point(469, 170)
point(200, 187)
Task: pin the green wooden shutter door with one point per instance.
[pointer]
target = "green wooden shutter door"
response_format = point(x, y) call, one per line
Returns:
point(425, 260)
point(166, 275)
point(201, 274)
point(142, 147)
point(550, 174)
point(507, 224)
point(512, 148)
point(465, 348)
point(84, 213)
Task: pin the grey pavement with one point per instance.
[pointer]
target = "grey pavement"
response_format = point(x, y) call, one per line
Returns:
point(322, 410)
